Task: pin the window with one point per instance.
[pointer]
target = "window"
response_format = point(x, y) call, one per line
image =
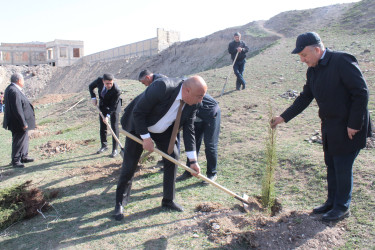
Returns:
point(63, 52)
point(50, 54)
point(76, 52)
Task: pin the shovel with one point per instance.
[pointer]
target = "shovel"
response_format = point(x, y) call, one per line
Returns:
point(113, 133)
point(243, 199)
point(226, 80)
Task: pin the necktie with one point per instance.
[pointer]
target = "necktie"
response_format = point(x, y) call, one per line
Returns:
point(175, 128)
point(104, 91)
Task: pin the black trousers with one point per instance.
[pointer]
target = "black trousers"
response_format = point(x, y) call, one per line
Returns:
point(114, 120)
point(20, 145)
point(133, 151)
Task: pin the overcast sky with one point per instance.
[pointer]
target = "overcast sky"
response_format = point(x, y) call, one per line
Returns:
point(105, 24)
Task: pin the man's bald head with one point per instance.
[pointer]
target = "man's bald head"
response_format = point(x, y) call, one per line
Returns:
point(193, 90)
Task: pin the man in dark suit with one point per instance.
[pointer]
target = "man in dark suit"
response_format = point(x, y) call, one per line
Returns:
point(337, 84)
point(152, 117)
point(19, 117)
point(207, 128)
point(110, 106)
point(147, 77)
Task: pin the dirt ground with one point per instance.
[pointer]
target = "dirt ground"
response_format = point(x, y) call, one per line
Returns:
point(286, 230)
point(233, 228)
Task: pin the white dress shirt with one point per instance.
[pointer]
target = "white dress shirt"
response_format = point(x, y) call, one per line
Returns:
point(166, 121)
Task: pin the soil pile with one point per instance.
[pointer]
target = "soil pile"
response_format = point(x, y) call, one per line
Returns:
point(286, 230)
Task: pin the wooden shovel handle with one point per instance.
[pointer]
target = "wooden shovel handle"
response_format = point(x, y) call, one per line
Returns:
point(134, 138)
point(109, 127)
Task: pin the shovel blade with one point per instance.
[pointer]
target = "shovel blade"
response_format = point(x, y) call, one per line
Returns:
point(245, 205)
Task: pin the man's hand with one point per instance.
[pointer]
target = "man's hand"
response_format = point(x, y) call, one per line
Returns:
point(106, 120)
point(94, 102)
point(275, 121)
point(25, 128)
point(352, 132)
point(239, 49)
point(148, 144)
point(196, 168)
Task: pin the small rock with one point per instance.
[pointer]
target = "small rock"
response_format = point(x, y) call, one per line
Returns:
point(195, 236)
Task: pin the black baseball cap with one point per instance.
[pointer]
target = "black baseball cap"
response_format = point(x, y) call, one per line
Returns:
point(306, 39)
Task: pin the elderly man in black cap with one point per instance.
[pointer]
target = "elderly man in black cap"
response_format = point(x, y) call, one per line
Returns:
point(238, 47)
point(110, 106)
point(335, 81)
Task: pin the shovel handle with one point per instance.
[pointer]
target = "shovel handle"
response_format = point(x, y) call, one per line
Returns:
point(109, 127)
point(226, 80)
point(168, 157)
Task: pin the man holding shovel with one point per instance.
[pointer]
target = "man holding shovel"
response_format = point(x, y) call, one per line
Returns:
point(110, 106)
point(156, 116)
point(238, 49)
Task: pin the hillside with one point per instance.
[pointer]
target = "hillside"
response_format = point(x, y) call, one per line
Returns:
point(64, 146)
point(205, 53)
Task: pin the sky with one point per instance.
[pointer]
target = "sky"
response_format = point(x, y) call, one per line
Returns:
point(105, 24)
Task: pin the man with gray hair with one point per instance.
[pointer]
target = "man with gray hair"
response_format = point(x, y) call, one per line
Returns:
point(335, 81)
point(19, 117)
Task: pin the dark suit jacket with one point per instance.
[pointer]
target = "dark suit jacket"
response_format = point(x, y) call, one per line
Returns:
point(18, 110)
point(341, 93)
point(150, 106)
point(232, 49)
point(111, 101)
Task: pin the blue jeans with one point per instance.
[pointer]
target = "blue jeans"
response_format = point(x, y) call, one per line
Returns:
point(208, 131)
point(1, 108)
point(340, 179)
point(239, 67)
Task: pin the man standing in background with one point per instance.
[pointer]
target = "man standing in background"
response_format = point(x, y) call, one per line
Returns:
point(19, 117)
point(238, 46)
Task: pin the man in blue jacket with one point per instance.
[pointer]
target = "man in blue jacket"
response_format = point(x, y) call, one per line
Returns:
point(335, 81)
point(238, 46)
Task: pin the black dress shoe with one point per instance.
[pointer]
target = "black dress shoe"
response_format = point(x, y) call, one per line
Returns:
point(17, 165)
point(102, 149)
point(336, 215)
point(114, 153)
point(26, 160)
point(186, 175)
point(172, 205)
point(323, 208)
point(118, 213)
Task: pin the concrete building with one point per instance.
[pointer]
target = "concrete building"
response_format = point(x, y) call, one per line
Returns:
point(148, 47)
point(63, 53)
point(57, 53)
point(33, 53)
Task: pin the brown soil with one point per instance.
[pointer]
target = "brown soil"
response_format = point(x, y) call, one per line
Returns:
point(52, 148)
point(52, 98)
point(286, 230)
point(37, 132)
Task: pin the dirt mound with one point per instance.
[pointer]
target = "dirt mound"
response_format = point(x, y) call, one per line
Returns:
point(288, 230)
point(21, 202)
point(52, 148)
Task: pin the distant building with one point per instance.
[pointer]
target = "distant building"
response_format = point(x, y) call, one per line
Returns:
point(63, 53)
point(57, 53)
